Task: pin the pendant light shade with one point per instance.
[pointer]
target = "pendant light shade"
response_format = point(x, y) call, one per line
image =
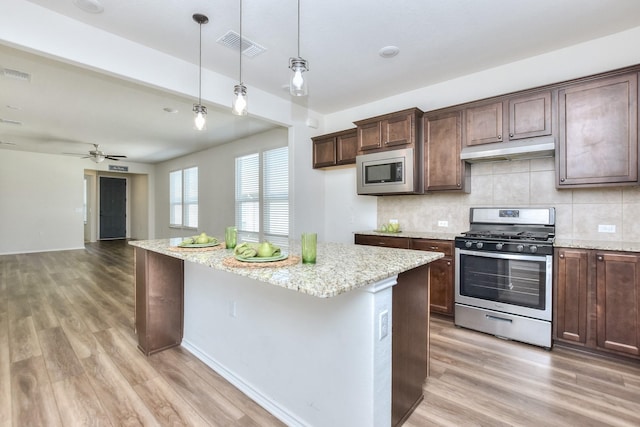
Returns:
point(298, 66)
point(240, 100)
point(200, 110)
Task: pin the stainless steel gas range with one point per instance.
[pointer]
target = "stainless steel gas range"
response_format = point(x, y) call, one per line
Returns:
point(504, 273)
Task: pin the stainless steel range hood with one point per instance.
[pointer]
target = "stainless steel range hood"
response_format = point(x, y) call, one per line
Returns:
point(531, 148)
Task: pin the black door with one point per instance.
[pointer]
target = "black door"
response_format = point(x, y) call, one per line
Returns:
point(113, 208)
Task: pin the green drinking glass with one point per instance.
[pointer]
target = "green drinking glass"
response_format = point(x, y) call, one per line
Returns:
point(309, 245)
point(230, 237)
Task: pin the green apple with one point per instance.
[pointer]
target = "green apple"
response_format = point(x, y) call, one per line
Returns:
point(265, 249)
point(202, 238)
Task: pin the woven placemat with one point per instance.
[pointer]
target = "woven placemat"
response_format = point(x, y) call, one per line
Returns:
point(205, 249)
point(232, 262)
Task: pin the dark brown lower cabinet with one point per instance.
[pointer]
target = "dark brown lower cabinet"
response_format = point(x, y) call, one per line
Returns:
point(618, 302)
point(597, 300)
point(441, 275)
point(159, 300)
point(571, 295)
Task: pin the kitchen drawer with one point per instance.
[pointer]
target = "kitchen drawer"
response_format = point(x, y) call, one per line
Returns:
point(444, 246)
point(387, 241)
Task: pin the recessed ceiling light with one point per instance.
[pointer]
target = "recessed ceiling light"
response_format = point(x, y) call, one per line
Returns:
point(91, 6)
point(389, 51)
point(170, 110)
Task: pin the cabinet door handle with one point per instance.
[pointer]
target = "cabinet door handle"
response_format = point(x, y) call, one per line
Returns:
point(561, 255)
point(499, 136)
point(600, 258)
point(510, 135)
point(561, 179)
point(449, 263)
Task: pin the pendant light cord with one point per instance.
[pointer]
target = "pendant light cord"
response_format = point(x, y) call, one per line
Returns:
point(240, 48)
point(298, 28)
point(200, 69)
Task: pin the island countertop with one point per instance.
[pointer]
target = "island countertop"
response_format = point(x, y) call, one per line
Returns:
point(339, 267)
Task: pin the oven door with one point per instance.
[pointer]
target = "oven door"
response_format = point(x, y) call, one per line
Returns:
point(509, 283)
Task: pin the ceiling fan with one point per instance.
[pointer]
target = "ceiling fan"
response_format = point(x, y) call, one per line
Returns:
point(96, 155)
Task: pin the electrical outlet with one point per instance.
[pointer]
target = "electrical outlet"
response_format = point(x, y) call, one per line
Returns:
point(443, 223)
point(383, 324)
point(233, 307)
point(606, 228)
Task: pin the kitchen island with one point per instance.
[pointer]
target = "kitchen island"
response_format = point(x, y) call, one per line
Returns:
point(340, 342)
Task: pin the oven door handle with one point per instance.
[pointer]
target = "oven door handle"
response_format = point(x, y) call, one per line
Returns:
point(499, 255)
point(500, 319)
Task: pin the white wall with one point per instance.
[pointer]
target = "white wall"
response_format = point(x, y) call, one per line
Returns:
point(216, 183)
point(41, 202)
point(607, 53)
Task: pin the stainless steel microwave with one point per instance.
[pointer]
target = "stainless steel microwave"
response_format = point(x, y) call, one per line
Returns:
point(388, 172)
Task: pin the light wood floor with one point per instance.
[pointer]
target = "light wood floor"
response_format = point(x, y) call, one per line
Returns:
point(68, 357)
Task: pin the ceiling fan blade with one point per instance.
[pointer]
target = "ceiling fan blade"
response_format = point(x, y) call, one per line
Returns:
point(111, 158)
point(115, 155)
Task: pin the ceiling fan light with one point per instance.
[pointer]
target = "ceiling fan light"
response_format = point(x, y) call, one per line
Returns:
point(298, 84)
point(240, 100)
point(200, 120)
point(98, 158)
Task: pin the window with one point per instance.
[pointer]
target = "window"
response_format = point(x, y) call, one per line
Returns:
point(262, 196)
point(183, 198)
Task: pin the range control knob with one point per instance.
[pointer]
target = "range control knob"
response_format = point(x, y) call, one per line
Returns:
point(499, 246)
point(533, 249)
point(468, 244)
point(520, 248)
point(479, 245)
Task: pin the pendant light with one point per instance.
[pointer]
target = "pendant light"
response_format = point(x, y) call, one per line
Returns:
point(298, 83)
point(199, 109)
point(239, 104)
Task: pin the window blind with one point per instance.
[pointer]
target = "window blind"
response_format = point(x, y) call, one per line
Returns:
point(183, 198)
point(262, 196)
point(190, 199)
point(175, 198)
point(276, 195)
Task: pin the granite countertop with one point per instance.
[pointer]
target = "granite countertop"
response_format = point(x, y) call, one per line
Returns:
point(433, 235)
point(339, 267)
point(603, 245)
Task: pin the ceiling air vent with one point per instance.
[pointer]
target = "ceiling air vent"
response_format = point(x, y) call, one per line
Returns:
point(232, 40)
point(15, 74)
point(10, 122)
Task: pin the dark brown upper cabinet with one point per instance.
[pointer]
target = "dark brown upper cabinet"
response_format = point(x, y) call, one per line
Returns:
point(390, 131)
point(509, 119)
point(334, 149)
point(443, 169)
point(598, 132)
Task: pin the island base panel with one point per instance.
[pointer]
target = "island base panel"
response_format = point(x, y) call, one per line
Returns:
point(159, 281)
point(410, 342)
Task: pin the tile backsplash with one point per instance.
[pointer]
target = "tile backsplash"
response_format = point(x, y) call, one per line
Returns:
point(581, 214)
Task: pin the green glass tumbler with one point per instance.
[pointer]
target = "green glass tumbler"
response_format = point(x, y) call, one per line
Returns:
point(230, 237)
point(309, 245)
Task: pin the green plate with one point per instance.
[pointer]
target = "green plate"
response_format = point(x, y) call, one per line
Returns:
point(263, 259)
point(199, 245)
